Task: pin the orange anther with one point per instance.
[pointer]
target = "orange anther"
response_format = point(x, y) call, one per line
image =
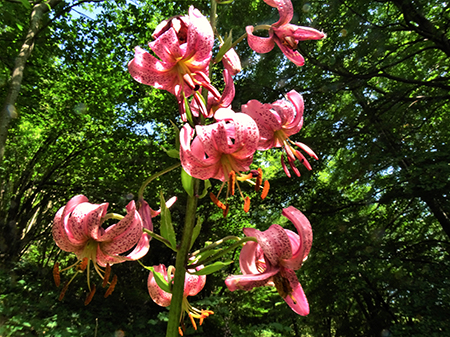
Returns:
point(106, 276)
point(63, 291)
point(231, 182)
point(111, 286)
point(258, 179)
point(90, 295)
point(56, 276)
point(225, 211)
point(216, 201)
point(180, 331)
point(247, 204)
point(265, 189)
point(83, 264)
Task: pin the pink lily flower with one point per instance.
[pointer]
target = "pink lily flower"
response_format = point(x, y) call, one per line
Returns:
point(221, 151)
point(272, 261)
point(193, 284)
point(77, 228)
point(232, 62)
point(285, 35)
point(184, 47)
point(276, 122)
point(219, 148)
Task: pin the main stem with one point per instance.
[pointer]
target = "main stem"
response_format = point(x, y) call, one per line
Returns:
point(180, 264)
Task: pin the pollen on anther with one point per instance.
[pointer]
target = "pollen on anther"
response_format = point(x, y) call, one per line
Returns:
point(83, 264)
point(231, 182)
point(111, 286)
point(56, 275)
point(216, 201)
point(247, 204)
point(90, 295)
point(63, 291)
point(225, 211)
point(106, 276)
point(265, 189)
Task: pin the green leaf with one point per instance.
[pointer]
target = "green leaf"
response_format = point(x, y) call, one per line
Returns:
point(224, 48)
point(188, 182)
point(173, 153)
point(212, 268)
point(166, 229)
point(177, 136)
point(205, 189)
point(161, 282)
point(196, 231)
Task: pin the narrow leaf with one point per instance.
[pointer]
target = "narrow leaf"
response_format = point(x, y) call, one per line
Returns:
point(224, 48)
point(205, 189)
point(212, 268)
point(188, 182)
point(166, 229)
point(161, 282)
point(196, 231)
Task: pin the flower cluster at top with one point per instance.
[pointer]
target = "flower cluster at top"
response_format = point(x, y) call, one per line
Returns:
point(217, 142)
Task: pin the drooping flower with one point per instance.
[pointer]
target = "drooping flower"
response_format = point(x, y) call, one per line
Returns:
point(184, 47)
point(284, 34)
point(276, 123)
point(215, 103)
point(232, 62)
point(272, 261)
point(77, 228)
point(193, 284)
point(221, 150)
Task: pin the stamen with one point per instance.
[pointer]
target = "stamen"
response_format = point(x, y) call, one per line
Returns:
point(192, 321)
point(111, 286)
point(216, 201)
point(106, 276)
point(265, 189)
point(90, 295)
point(231, 182)
point(283, 164)
point(63, 291)
point(247, 204)
point(180, 331)
point(293, 167)
point(56, 275)
point(259, 179)
point(225, 211)
point(302, 159)
point(83, 264)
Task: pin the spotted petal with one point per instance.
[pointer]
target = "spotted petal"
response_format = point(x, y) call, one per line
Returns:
point(297, 299)
point(259, 44)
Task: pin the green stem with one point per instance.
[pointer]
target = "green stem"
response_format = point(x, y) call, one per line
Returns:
point(180, 264)
point(215, 244)
point(153, 177)
point(159, 238)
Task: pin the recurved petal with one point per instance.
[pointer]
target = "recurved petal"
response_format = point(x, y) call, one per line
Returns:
point(250, 253)
point(59, 233)
point(304, 230)
point(275, 244)
point(259, 44)
point(294, 125)
point(250, 281)
point(297, 299)
point(285, 10)
point(123, 235)
point(193, 284)
point(228, 91)
point(293, 55)
point(84, 221)
point(267, 121)
point(147, 69)
point(158, 295)
point(167, 47)
point(231, 62)
point(200, 38)
point(103, 259)
point(299, 33)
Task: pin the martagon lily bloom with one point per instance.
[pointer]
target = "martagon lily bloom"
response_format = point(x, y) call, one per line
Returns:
point(272, 261)
point(193, 284)
point(221, 150)
point(184, 48)
point(276, 123)
point(77, 228)
point(284, 34)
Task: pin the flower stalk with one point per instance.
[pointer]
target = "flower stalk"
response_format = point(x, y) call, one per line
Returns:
point(180, 264)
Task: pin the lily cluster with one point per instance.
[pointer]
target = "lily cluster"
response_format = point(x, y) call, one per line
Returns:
point(216, 142)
